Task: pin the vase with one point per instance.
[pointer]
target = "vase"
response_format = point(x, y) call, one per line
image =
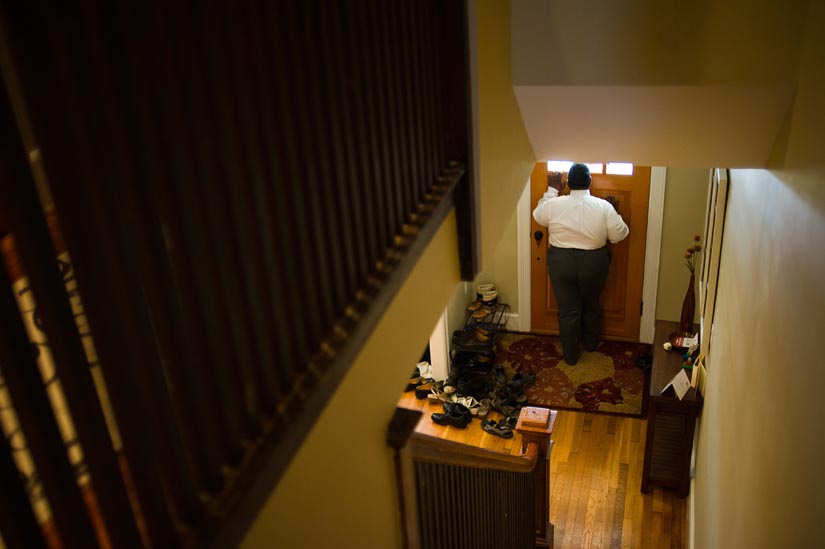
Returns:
point(688, 309)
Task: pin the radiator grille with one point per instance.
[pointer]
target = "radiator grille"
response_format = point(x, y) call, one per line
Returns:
point(462, 507)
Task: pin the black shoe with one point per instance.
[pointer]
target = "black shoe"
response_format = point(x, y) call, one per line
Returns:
point(416, 382)
point(456, 415)
point(422, 391)
point(590, 346)
point(456, 409)
point(571, 361)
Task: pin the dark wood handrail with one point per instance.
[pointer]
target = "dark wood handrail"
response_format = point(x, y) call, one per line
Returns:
point(448, 452)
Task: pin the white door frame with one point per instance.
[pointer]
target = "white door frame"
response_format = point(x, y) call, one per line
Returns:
point(653, 244)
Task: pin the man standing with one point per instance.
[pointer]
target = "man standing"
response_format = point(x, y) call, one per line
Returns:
point(578, 228)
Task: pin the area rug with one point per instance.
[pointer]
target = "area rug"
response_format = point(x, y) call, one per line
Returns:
point(607, 380)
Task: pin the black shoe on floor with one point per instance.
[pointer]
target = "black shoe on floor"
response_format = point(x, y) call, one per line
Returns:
point(456, 415)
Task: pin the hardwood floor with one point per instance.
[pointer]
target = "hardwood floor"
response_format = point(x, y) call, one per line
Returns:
point(595, 496)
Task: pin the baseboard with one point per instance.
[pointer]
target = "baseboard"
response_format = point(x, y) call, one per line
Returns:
point(512, 324)
point(691, 516)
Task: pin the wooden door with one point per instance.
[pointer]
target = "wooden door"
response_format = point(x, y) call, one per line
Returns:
point(622, 296)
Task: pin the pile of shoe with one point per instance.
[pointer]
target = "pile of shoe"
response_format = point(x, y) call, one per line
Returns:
point(485, 303)
point(472, 347)
point(474, 342)
point(507, 393)
point(444, 391)
point(479, 394)
point(421, 380)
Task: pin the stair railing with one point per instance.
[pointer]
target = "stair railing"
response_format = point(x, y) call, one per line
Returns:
point(458, 495)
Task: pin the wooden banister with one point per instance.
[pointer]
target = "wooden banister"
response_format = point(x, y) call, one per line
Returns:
point(438, 450)
point(476, 497)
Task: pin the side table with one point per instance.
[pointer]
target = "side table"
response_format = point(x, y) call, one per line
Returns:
point(670, 422)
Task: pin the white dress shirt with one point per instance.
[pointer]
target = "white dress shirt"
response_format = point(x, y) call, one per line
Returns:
point(579, 220)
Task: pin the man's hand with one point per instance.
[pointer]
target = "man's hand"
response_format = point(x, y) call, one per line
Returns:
point(554, 179)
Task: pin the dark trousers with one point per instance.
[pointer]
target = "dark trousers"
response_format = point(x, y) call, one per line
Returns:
point(577, 277)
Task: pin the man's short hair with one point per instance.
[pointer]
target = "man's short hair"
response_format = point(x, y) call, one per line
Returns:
point(578, 177)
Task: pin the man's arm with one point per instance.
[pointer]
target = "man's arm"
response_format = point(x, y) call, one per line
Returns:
point(554, 186)
point(616, 227)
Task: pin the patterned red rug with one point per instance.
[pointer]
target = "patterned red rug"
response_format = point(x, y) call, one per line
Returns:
point(607, 380)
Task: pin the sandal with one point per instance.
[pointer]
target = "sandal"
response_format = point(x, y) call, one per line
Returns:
point(438, 394)
point(509, 421)
point(484, 407)
point(497, 429)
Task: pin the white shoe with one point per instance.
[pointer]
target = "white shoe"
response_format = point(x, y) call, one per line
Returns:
point(425, 369)
point(471, 403)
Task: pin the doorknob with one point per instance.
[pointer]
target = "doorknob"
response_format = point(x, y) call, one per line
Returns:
point(538, 235)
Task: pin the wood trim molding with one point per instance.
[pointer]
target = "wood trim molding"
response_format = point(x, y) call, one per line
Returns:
point(653, 248)
point(447, 452)
point(523, 244)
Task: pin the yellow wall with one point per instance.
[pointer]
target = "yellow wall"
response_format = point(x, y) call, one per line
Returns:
point(686, 191)
point(339, 490)
point(759, 472)
point(506, 156)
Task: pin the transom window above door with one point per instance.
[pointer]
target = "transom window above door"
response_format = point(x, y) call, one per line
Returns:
point(613, 168)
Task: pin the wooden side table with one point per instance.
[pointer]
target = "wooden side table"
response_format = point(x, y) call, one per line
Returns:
point(670, 422)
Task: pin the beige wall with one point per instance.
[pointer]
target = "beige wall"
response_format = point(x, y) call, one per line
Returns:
point(759, 471)
point(339, 491)
point(684, 215)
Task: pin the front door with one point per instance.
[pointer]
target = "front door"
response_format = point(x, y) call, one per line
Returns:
point(622, 296)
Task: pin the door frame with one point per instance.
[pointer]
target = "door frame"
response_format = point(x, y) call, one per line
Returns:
point(653, 245)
